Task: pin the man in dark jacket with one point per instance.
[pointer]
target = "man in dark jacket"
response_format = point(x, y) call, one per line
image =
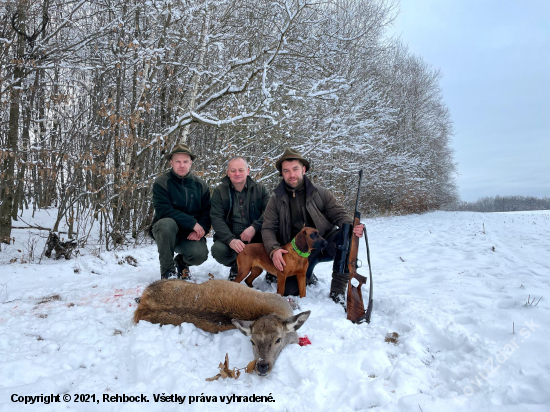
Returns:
point(237, 210)
point(297, 202)
point(182, 215)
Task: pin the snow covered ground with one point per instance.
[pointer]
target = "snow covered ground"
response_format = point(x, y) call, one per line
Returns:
point(453, 286)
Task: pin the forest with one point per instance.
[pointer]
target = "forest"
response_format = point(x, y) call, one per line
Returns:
point(490, 204)
point(93, 94)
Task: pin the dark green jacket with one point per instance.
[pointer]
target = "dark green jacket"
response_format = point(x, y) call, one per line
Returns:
point(320, 204)
point(186, 200)
point(256, 201)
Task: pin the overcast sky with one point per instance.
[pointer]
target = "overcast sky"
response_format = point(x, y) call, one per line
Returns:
point(495, 60)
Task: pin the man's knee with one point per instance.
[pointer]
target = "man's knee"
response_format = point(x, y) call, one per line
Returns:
point(200, 256)
point(165, 227)
point(194, 252)
point(223, 253)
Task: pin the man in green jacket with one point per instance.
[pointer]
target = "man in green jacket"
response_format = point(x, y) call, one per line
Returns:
point(182, 215)
point(297, 202)
point(237, 210)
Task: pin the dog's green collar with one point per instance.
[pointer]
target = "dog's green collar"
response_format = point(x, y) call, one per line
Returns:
point(302, 254)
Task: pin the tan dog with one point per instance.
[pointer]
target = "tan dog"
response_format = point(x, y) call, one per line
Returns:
point(253, 259)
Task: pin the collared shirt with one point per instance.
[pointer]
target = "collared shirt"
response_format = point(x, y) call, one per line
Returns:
point(239, 213)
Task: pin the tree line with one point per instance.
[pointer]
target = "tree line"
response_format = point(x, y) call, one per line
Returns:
point(93, 94)
point(503, 204)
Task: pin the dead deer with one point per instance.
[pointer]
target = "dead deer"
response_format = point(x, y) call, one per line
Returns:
point(219, 305)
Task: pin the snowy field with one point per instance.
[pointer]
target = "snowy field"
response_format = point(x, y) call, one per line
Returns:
point(453, 287)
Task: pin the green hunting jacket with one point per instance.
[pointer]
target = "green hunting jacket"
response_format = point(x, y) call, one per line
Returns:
point(320, 204)
point(257, 197)
point(184, 199)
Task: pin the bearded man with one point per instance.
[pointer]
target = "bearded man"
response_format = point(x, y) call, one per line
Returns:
point(297, 202)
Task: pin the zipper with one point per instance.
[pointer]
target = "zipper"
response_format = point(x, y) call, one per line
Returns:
point(185, 190)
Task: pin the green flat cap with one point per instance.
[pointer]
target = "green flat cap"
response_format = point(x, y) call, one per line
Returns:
point(180, 148)
point(291, 154)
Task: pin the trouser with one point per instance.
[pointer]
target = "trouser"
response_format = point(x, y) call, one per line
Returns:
point(165, 232)
point(224, 254)
point(331, 252)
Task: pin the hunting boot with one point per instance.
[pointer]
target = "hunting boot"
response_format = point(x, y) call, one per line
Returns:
point(182, 267)
point(233, 272)
point(312, 280)
point(169, 274)
point(270, 278)
point(338, 287)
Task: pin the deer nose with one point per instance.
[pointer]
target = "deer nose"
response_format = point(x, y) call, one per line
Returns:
point(262, 367)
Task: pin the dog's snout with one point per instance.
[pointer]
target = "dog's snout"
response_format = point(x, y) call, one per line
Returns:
point(320, 244)
point(262, 367)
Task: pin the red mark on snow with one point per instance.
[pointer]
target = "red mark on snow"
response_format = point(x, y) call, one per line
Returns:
point(304, 341)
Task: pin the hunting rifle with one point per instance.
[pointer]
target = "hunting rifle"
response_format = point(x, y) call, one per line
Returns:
point(355, 308)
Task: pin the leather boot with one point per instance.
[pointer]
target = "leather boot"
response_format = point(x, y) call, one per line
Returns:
point(233, 272)
point(338, 287)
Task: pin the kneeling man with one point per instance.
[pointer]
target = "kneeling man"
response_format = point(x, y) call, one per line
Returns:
point(237, 210)
point(295, 203)
point(182, 215)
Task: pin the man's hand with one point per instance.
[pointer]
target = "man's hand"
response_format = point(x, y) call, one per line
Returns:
point(278, 260)
point(197, 233)
point(236, 245)
point(248, 234)
point(194, 236)
point(358, 230)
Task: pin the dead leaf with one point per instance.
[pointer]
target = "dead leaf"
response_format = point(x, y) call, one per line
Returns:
point(225, 372)
point(210, 276)
point(392, 338)
point(251, 366)
point(214, 378)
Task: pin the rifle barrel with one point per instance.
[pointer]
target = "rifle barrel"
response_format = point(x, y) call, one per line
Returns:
point(358, 190)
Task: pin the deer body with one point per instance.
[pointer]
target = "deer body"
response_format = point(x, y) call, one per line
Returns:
point(219, 305)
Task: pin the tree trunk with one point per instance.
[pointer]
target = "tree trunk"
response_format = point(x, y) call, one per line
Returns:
point(8, 187)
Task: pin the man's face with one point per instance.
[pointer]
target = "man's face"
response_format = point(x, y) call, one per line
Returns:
point(181, 164)
point(293, 172)
point(237, 171)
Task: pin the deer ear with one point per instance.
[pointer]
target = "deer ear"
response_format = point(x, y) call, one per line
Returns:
point(245, 326)
point(301, 241)
point(294, 323)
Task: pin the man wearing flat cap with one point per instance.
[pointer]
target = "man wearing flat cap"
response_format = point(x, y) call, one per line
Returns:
point(297, 202)
point(182, 215)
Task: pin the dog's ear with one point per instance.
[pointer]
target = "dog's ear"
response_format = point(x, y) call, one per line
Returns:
point(301, 241)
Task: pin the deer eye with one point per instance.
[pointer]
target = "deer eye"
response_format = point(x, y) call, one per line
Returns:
point(278, 340)
point(252, 342)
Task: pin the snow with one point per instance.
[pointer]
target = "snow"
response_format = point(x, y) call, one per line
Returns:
point(438, 283)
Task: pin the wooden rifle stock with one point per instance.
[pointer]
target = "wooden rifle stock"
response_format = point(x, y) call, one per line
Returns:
point(355, 306)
